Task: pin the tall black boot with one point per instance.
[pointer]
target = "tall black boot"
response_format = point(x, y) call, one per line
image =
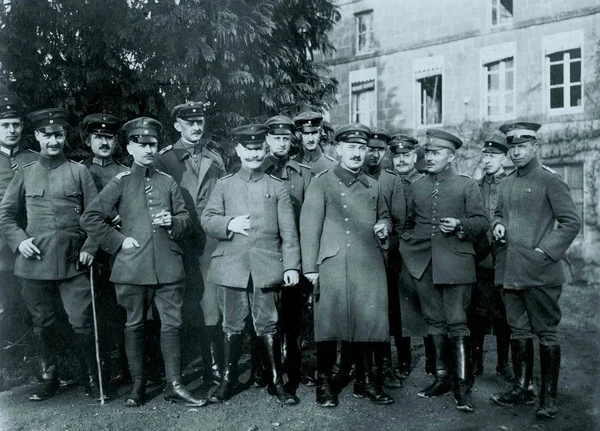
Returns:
point(463, 374)
point(176, 392)
point(293, 362)
point(443, 383)
point(86, 344)
point(383, 366)
point(47, 363)
point(344, 374)
point(365, 384)
point(257, 370)
point(429, 356)
point(214, 340)
point(134, 348)
point(272, 346)
point(550, 365)
point(229, 380)
point(478, 328)
point(404, 357)
point(522, 390)
point(326, 355)
point(502, 348)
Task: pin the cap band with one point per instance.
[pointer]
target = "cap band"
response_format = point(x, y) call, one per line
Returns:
point(434, 143)
point(521, 133)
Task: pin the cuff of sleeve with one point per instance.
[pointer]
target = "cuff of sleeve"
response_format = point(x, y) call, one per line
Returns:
point(114, 243)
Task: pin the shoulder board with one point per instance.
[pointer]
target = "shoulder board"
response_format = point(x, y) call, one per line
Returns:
point(214, 152)
point(122, 174)
point(163, 173)
point(76, 163)
point(318, 174)
point(549, 169)
point(121, 164)
point(419, 178)
point(226, 176)
point(302, 165)
point(329, 158)
point(369, 175)
point(33, 151)
point(30, 163)
point(511, 172)
point(275, 178)
point(390, 171)
point(465, 175)
point(294, 157)
point(167, 148)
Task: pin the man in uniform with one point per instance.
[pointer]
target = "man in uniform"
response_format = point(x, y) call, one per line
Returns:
point(251, 215)
point(487, 304)
point(308, 126)
point(297, 179)
point(538, 221)
point(148, 265)
point(404, 158)
point(393, 193)
point(12, 159)
point(196, 169)
point(343, 220)
point(445, 215)
point(53, 253)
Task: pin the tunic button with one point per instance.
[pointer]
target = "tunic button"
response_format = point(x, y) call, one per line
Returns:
point(292, 186)
point(345, 206)
point(154, 230)
point(432, 234)
point(343, 194)
point(347, 232)
point(346, 219)
point(348, 245)
point(147, 179)
point(149, 200)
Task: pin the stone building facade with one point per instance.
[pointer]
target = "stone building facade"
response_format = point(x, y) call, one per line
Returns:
point(467, 66)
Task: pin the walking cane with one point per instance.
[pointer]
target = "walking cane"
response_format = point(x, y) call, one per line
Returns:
point(94, 316)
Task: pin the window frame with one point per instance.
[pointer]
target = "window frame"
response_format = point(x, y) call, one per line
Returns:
point(369, 33)
point(562, 169)
point(495, 4)
point(425, 68)
point(494, 54)
point(362, 76)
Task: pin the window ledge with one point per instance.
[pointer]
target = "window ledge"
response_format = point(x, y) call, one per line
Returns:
point(565, 111)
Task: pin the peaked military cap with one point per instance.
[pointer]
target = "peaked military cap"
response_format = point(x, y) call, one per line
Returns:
point(102, 124)
point(379, 137)
point(250, 134)
point(402, 143)
point(280, 125)
point(10, 106)
point(143, 130)
point(494, 143)
point(49, 119)
point(354, 133)
point(438, 139)
point(520, 132)
point(190, 110)
point(308, 121)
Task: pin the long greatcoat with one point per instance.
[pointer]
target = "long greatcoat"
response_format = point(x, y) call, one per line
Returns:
point(338, 242)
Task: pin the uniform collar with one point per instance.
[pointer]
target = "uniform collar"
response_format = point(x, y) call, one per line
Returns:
point(534, 163)
point(311, 156)
point(495, 178)
point(348, 177)
point(373, 171)
point(101, 161)
point(52, 162)
point(445, 174)
point(410, 176)
point(183, 150)
point(10, 151)
point(248, 175)
point(192, 148)
point(143, 171)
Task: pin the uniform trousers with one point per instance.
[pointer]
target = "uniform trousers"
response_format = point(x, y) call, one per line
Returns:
point(534, 310)
point(488, 299)
point(260, 303)
point(445, 306)
point(137, 299)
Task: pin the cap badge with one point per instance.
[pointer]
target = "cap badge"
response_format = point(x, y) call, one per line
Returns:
point(51, 121)
point(7, 106)
point(104, 118)
point(104, 125)
point(191, 103)
point(280, 126)
point(253, 137)
point(49, 114)
point(375, 136)
point(145, 131)
point(194, 110)
point(145, 122)
point(253, 128)
point(6, 99)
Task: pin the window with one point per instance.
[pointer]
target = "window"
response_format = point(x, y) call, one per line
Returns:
point(572, 174)
point(563, 56)
point(500, 85)
point(363, 96)
point(364, 32)
point(429, 100)
point(502, 11)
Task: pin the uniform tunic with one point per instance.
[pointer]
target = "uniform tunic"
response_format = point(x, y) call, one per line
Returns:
point(104, 170)
point(316, 159)
point(338, 242)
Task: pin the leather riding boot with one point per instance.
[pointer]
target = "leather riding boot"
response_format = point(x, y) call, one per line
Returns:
point(214, 341)
point(550, 365)
point(154, 365)
point(47, 363)
point(326, 355)
point(86, 344)
point(442, 383)
point(293, 362)
point(522, 390)
point(229, 379)
point(502, 348)
point(257, 371)
point(478, 330)
point(463, 374)
point(272, 346)
point(429, 356)
point(134, 348)
point(384, 373)
point(344, 375)
point(404, 357)
point(364, 384)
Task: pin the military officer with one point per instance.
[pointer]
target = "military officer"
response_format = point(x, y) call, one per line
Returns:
point(12, 159)
point(343, 216)
point(153, 218)
point(196, 169)
point(393, 192)
point(52, 250)
point(404, 157)
point(487, 304)
point(308, 127)
point(251, 215)
point(445, 215)
point(538, 221)
point(297, 179)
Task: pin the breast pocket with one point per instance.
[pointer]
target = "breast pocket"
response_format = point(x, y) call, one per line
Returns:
point(34, 193)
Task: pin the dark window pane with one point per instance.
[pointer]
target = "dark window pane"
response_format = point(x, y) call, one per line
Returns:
point(556, 74)
point(508, 6)
point(556, 98)
point(575, 95)
point(575, 71)
point(575, 53)
point(557, 56)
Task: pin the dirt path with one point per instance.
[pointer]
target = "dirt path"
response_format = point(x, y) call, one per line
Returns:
point(579, 398)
